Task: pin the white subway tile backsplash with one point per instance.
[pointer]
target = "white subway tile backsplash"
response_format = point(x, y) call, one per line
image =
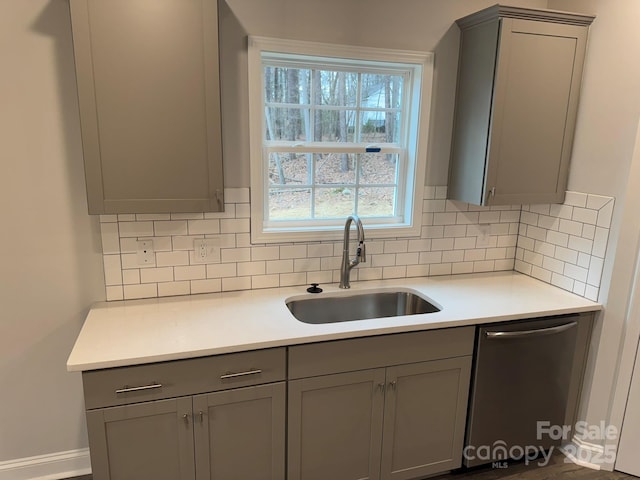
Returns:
point(154, 275)
point(170, 227)
point(236, 195)
point(230, 284)
point(213, 285)
point(320, 250)
point(191, 272)
point(555, 243)
point(245, 269)
point(172, 259)
point(220, 270)
point(291, 279)
point(140, 217)
point(135, 229)
point(110, 238)
point(280, 266)
point(442, 244)
point(112, 270)
point(293, 251)
point(169, 289)
point(114, 292)
point(144, 290)
point(596, 202)
point(130, 277)
point(235, 225)
point(452, 256)
point(572, 255)
point(203, 227)
point(265, 281)
point(576, 199)
point(399, 271)
point(228, 255)
point(585, 215)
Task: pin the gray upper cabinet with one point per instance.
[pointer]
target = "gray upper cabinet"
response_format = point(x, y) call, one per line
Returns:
point(149, 96)
point(519, 80)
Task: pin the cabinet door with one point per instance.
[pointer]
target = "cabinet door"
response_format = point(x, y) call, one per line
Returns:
point(240, 434)
point(147, 441)
point(335, 426)
point(539, 69)
point(424, 418)
point(148, 91)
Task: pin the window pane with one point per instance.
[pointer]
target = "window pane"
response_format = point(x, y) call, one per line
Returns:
point(334, 125)
point(377, 168)
point(289, 124)
point(289, 168)
point(376, 201)
point(289, 204)
point(381, 91)
point(336, 88)
point(287, 85)
point(334, 202)
point(332, 168)
point(380, 127)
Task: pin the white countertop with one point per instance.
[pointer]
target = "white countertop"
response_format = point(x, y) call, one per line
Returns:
point(145, 331)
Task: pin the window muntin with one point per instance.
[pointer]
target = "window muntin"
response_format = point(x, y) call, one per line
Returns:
point(339, 135)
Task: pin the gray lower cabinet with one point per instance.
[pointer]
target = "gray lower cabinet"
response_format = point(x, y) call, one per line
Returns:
point(148, 441)
point(424, 417)
point(240, 434)
point(231, 426)
point(335, 426)
point(403, 421)
point(519, 79)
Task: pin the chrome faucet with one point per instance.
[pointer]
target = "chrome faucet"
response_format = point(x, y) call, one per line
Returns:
point(361, 255)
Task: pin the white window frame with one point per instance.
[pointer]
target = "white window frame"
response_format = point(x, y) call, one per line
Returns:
point(417, 132)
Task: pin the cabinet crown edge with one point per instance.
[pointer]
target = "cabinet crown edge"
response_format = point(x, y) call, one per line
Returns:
point(504, 11)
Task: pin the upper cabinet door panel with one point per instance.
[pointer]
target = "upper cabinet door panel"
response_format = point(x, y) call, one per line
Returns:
point(536, 97)
point(148, 85)
point(519, 79)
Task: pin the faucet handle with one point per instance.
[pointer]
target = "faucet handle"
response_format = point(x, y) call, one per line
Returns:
point(362, 252)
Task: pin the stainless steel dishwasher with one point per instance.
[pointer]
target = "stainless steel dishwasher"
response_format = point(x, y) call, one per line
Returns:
point(525, 372)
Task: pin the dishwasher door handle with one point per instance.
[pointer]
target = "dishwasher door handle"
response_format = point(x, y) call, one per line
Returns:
point(531, 333)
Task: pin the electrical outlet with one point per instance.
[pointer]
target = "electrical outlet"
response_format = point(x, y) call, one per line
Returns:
point(146, 253)
point(207, 250)
point(483, 237)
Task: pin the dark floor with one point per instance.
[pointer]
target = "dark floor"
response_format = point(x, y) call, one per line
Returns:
point(557, 469)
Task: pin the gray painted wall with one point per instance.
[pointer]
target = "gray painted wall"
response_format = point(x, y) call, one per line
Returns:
point(601, 163)
point(425, 25)
point(50, 252)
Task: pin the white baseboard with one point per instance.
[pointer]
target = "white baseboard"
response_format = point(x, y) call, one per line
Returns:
point(53, 466)
point(583, 453)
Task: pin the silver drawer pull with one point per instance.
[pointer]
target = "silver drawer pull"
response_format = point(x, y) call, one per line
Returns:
point(241, 374)
point(127, 389)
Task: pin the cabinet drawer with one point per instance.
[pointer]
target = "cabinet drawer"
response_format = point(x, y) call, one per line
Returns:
point(380, 351)
point(123, 385)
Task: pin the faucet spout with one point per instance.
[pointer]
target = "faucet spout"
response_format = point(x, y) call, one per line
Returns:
point(361, 255)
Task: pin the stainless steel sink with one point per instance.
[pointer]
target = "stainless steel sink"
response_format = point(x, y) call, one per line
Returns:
point(359, 306)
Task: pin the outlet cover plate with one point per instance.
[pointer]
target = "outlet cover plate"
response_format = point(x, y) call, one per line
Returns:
point(207, 250)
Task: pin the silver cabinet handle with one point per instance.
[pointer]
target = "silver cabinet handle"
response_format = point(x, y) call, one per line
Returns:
point(381, 387)
point(530, 333)
point(392, 384)
point(127, 388)
point(240, 374)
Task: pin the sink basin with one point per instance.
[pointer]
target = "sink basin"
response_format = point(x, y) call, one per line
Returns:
point(359, 306)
